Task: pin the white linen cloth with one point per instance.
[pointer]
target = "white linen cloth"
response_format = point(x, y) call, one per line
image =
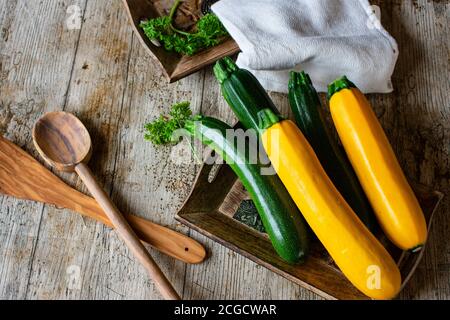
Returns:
point(325, 38)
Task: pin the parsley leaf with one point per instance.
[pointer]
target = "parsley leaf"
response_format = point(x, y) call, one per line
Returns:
point(181, 112)
point(209, 33)
point(161, 131)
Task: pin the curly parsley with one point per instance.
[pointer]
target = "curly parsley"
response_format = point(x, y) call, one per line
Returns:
point(161, 131)
point(209, 33)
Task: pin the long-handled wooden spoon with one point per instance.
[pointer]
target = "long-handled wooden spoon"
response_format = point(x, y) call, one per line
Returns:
point(64, 142)
point(23, 177)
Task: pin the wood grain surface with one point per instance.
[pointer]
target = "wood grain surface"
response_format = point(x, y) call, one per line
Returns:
point(102, 73)
point(23, 177)
point(127, 234)
point(65, 144)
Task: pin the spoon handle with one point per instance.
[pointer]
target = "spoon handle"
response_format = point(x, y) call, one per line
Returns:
point(126, 233)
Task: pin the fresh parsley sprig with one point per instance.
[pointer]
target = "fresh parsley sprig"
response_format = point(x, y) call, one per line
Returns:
point(161, 131)
point(209, 33)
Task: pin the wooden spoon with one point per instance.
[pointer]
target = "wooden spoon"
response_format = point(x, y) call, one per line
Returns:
point(64, 142)
point(23, 177)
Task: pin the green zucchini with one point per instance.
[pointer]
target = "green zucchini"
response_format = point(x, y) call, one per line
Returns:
point(308, 113)
point(281, 219)
point(243, 93)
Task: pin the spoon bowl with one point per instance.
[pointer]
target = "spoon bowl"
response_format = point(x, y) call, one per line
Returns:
point(62, 140)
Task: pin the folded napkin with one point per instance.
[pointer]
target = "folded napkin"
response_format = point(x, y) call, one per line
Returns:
point(325, 38)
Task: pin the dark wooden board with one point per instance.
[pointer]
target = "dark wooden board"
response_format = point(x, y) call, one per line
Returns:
point(175, 66)
point(209, 211)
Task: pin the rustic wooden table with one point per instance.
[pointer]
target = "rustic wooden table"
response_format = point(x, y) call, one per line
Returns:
point(99, 71)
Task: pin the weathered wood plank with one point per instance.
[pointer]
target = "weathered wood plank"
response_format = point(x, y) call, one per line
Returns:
point(109, 81)
point(416, 118)
point(152, 179)
point(96, 95)
point(104, 92)
point(36, 55)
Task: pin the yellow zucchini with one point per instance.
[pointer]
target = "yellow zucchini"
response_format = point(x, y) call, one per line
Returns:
point(376, 166)
point(359, 255)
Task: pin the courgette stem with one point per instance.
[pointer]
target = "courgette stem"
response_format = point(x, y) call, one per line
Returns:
point(243, 93)
point(338, 85)
point(266, 119)
point(224, 68)
point(299, 78)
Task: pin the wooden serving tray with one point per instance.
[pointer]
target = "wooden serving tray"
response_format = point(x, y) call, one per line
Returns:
point(175, 66)
point(216, 196)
